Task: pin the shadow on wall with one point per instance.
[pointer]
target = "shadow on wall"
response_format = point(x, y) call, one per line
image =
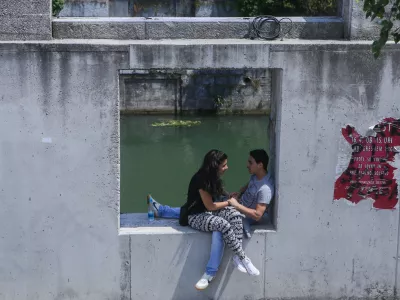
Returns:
point(193, 269)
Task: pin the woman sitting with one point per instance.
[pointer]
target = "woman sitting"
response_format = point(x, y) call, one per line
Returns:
point(206, 215)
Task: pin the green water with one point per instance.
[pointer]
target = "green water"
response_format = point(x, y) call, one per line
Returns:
point(161, 160)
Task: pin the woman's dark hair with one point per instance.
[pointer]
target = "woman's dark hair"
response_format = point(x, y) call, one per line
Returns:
point(260, 156)
point(209, 171)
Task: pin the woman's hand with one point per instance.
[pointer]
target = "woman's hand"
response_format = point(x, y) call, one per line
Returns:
point(233, 202)
point(234, 195)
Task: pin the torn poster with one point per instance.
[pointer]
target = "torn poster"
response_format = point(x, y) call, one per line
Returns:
point(370, 170)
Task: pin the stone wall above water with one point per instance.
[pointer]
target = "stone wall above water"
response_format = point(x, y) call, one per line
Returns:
point(240, 90)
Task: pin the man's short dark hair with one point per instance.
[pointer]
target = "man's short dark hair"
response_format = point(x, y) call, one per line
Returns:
point(260, 156)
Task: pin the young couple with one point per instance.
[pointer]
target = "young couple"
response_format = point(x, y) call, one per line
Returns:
point(211, 208)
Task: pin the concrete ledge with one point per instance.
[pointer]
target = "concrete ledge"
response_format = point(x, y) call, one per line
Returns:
point(329, 28)
point(65, 45)
point(182, 50)
point(174, 258)
point(137, 223)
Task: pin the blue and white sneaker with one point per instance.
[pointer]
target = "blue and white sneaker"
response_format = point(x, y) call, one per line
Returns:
point(153, 205)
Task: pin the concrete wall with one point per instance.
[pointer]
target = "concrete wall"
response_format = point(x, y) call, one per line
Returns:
point(322, 249)
point(59, 222)
point(25, 20)
point(59, 178)
point(151, 8)
point(323, 28)
point(356, 25)
point(85, 8)
point(362, 28)
point(350, 22)
point(222, 90)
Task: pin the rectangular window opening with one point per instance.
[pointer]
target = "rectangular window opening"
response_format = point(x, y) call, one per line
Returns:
point(169, 119)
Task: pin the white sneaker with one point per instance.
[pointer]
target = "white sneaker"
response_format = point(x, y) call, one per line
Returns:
point(202, 284)
point(238, 264)
point(251, 269)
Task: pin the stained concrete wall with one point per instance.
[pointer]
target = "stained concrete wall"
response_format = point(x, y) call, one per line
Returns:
point(59, 221)
point(212, 90)
point(59, 181)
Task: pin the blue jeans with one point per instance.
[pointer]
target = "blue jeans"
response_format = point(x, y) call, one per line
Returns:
point(217, 248)
point(168, 212)
point(217, 243)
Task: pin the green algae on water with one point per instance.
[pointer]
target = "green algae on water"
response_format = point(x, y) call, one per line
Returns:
point(176, 123)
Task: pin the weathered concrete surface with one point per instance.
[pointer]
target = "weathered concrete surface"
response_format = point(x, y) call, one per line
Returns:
point(360, 27)
point(216, 8)
point(357, 26)
point(101, 28)
point(329, 28)
point(61, 241)
point(59, 213)
point(119, 8)
point(234, 90)
point(322, 250)
point(184, 8)
point(212, 54)
point(180, 260)
point(154, 8)
point(25, 20)
point(162, 8)
point(184, 259)
point(85, 8)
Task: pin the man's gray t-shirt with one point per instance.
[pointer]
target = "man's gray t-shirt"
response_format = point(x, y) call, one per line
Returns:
point(258, 191)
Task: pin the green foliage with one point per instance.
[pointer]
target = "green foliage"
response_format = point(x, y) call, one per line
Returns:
point(222, 104)
point(318, 7)
point(57, 6)
point(251, 8)
point(389, 12)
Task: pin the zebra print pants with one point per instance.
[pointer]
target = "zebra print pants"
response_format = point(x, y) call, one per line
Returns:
point(228, 221)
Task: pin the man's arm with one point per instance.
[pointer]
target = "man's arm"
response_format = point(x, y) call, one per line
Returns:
point(255, 214)
point(264, 197)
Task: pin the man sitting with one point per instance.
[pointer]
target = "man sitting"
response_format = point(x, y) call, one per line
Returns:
point(253, 198)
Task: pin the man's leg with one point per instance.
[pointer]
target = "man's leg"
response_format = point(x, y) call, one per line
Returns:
point(163, 211)
point(217, 251)
point(168, 212)
point(247, 222)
